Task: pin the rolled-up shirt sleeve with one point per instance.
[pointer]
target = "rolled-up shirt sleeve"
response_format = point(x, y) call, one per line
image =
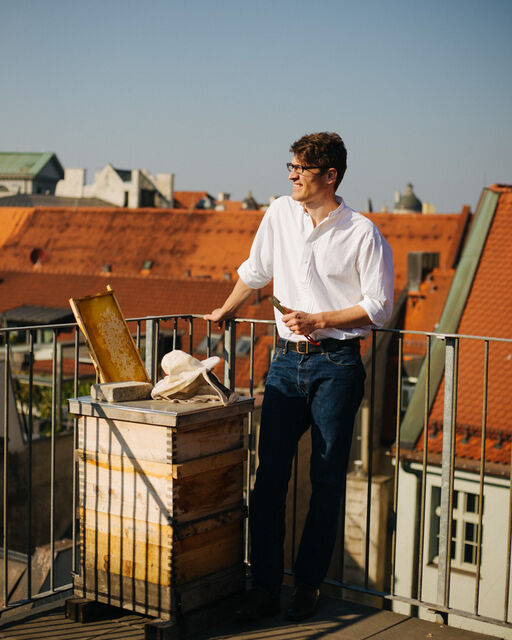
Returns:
point(258, 269)
point(375, 266)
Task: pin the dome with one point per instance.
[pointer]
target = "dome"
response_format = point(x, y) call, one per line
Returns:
point(408, 201)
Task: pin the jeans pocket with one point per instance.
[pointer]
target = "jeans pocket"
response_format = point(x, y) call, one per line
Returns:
point(278, 353)
point(342, 358)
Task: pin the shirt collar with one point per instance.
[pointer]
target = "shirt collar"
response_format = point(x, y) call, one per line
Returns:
point(332, 214)
point(340, 207)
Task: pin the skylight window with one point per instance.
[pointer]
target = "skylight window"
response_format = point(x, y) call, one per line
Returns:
point(215, 344)
point(243, 346)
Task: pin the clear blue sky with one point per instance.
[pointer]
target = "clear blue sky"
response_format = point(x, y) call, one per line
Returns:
point(215, 92)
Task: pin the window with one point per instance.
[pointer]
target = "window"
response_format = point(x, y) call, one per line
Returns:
point(463, 550)
point(147, 198)
point(243, 346)
point(44, 336)
point(216, 343)
point(408, 385)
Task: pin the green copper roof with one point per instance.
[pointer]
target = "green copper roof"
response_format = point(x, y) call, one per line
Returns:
point(412, 423)
point(25, 164)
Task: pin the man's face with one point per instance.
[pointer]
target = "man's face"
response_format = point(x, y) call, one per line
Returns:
point(312, 186)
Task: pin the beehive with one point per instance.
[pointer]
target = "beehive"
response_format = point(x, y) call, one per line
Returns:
point(160, 503)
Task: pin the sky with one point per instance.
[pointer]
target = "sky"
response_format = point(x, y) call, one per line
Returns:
point(215, 92)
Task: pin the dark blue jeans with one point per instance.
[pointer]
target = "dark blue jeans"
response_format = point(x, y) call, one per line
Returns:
point(322, 391)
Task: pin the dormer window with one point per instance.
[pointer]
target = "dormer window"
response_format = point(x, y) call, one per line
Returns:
point(37, 256)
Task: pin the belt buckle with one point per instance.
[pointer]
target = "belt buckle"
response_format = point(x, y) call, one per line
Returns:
point(306, 347)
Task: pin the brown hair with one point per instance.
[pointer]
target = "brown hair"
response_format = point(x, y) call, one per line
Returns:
point(324, 150)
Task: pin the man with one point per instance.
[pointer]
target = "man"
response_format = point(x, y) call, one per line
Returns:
point(333, 272)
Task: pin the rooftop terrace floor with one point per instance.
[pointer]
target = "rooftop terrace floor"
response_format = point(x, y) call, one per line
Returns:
point(335, 620)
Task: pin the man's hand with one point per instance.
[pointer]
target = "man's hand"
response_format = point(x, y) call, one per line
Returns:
point(218, 315)
point(300, 322)
point(234, 301)
point(304, 323)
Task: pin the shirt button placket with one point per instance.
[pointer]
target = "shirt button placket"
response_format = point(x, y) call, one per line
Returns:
point(306, 263)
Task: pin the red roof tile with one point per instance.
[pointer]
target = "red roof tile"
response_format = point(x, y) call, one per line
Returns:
point(178, 244)
point(468, 444)
point(488, 312)
point(184, 245)
point(10, 223)
point(424, 308)
point(437, 233)
point(137, 296)
point(140, 297)
point(188, 199)
point(193, 255)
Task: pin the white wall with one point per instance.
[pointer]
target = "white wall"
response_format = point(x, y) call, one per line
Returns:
point(110, 187)
point(462, 583)
point(72, 185)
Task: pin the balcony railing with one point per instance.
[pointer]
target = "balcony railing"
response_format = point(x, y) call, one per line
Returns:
point(433, 529)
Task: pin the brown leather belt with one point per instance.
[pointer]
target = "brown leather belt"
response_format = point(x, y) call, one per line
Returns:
point(305, 347)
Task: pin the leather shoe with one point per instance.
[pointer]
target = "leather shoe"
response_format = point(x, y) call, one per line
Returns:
point(303, 604)
point(257, 604)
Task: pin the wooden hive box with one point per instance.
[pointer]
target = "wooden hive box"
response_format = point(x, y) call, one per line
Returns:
point(160, 503)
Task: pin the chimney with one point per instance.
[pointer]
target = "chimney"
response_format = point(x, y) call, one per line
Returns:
point(419, 265)
point(165, 184)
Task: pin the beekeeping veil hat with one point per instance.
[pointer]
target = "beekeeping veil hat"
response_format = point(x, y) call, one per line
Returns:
point(188, 379)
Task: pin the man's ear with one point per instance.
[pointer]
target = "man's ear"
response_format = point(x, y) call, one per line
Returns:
point(331, 175)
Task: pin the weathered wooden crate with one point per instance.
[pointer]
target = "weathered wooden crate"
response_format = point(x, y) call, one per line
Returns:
point(160, 503)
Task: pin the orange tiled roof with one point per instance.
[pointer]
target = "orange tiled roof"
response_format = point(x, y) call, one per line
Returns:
point(137, 296)
point(188, 199)
point(438, 233)
point(424, 308)
point(11, 223)
point(178, 244)
point(193, 254)
point(468, 444)
point(488, 312)
point(185, 245)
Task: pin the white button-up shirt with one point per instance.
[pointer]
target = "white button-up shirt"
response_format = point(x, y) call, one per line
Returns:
point(342, 262)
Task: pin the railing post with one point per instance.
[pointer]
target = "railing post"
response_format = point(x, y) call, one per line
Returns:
point(7, 381)
point(150, 343)
point(447, 471)
point(229, 354)
point(58, 390)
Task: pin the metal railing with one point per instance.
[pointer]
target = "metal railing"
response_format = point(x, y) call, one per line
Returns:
point(448, 466)
point(427, 469)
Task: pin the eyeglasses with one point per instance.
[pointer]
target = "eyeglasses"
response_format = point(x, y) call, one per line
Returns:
point(299, 168)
